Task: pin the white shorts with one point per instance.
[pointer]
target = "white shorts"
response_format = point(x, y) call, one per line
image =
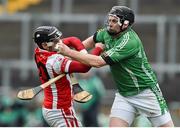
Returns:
point(149, 103)
point(61, 117)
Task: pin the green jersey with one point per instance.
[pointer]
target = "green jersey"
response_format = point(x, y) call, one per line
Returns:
point(128, 63)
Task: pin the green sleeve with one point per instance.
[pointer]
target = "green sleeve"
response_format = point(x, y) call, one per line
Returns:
point(126, 48)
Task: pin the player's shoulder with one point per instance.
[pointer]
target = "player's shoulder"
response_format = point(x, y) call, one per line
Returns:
point(101, 30)
point(130, 39)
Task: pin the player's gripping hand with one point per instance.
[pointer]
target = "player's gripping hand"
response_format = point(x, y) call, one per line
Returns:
point(62, 48)
point(100, 45)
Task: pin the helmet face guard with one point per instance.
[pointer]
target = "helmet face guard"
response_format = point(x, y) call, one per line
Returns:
point(118, 18)
point(123, 13)
point(46, 34)
point(124, 16)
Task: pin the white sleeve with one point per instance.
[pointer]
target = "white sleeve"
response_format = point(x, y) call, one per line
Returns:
point(61, 64)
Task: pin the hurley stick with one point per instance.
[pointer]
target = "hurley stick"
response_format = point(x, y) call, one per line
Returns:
point(29, 94)
point(80, 95)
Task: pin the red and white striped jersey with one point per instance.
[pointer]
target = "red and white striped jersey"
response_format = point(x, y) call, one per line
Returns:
point(50, 64)
point(57, 106)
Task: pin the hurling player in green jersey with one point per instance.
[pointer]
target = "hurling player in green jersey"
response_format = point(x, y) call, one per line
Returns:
point(138, 89)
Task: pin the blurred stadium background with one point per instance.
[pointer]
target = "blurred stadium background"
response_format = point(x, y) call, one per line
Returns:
point(157, 23)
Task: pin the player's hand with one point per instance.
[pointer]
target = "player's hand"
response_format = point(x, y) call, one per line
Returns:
point(100, 45)
point(62, 48)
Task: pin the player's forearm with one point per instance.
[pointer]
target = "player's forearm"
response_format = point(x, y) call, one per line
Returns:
point(76, 66)
point(88, 59)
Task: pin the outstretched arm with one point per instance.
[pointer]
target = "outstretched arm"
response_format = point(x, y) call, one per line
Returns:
point(78, 67)
point(88, 59)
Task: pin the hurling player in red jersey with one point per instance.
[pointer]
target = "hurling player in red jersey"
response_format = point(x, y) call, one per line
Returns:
point(57, 107)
